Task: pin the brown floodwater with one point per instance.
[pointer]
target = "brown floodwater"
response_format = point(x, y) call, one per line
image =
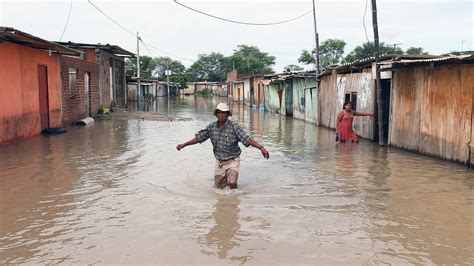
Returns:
point(118, 192)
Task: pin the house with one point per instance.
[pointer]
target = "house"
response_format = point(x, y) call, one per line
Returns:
point(93, 80)
point(150, 89)
point(432, 106)
point(206, 87)
point(30, 84)
point(235, 87)
point(291, 94)
point(355, 82)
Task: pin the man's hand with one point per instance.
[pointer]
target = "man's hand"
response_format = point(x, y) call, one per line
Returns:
point(180, 146)
point(265, 153)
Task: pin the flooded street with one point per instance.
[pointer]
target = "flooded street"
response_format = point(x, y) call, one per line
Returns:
point(118, 192)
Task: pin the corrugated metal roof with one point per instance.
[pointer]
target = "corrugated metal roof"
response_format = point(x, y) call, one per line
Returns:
point(114, 49)
point(395, 57)
point(445, 59)
point(289, 75)
point(22, 38)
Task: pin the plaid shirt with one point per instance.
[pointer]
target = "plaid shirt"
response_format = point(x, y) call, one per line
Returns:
point(225, 141)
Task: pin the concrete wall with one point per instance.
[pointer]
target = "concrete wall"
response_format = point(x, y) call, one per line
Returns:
point(275, 97)
point(19, 93)
point(246, 91)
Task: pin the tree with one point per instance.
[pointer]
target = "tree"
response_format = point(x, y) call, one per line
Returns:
point(307, 58)
point(147, 66)
point(249, 59)
point(415, 51)
point(330, 52)
point(366, 50)
point(208, 67)
point(164, 63)
point(292, 68)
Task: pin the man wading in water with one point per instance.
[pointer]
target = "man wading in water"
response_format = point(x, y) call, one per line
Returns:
point(225, 135)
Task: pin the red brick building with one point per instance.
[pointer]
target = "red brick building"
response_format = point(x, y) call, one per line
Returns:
point(92, 80)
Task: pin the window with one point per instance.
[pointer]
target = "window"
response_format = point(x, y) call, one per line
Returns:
point(72, 81)
point(354, 100)
point(351, 97)
point(347, 97)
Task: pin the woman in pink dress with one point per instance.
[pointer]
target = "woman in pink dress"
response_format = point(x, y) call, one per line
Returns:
point(344, 123)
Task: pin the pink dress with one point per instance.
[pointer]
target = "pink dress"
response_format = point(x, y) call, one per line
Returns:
point(346, 133)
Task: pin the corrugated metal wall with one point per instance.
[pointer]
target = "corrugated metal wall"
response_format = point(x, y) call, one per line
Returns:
point(363, 85)
point(432, 111)
point(311, 101)
point(298, 98)
point(328, 101)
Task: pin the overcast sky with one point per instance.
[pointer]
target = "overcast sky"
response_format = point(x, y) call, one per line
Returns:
point(437, 26)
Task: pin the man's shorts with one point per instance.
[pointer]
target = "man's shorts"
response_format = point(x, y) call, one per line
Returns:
point(226, 173)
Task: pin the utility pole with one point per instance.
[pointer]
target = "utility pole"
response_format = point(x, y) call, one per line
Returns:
point(138, 70)
point(377, 74)
point(168, 72)
point(395, 45)
point(316, 39)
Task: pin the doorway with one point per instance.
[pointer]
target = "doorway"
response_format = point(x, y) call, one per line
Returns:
point(43, 96)
point(87, 94)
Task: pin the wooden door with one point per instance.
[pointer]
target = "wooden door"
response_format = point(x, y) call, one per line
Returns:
point(43, 96)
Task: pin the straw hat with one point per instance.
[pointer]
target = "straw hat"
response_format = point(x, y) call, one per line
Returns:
point(224, 108)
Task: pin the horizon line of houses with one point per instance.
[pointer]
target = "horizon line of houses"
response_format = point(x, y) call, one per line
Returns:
point(427, 101)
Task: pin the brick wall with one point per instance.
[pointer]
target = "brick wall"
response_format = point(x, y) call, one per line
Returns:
point(73, 105)
point(104, 61)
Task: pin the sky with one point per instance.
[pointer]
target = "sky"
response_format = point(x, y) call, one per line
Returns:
point(168, 29)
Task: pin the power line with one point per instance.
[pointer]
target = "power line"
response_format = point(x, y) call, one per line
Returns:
point(111, 19)
point(133, 34)
point(240, 22)
point(159, 50)
point(67, 21)
point(363, 21)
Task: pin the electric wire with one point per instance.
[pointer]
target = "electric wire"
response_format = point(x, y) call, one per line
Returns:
point(363, 20)
point(111, 19)
point(134, 35)
point(67, 21)
point(240, 22)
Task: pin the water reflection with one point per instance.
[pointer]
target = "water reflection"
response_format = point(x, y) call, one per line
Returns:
point(226, 217)
point(118, 192)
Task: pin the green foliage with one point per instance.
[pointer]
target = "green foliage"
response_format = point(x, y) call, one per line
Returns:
point(462, 53)
point(182, 80)
point(292, 68)
point(205, 92)
point(164, 63)
point(415, 51)
point(307, 58)
point(330, 51)
point(208, 67)
point(249, 59)
point(147, 66)
point(367, 50)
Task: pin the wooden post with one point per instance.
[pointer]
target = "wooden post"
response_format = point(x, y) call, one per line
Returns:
point(377, 74)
